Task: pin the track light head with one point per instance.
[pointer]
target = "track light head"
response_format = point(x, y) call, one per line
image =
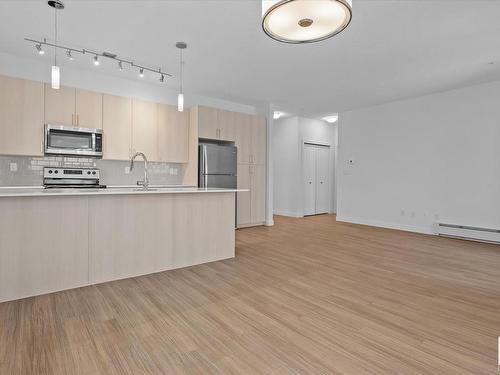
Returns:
point(39, 49)
point(70, 56)
point(120, 65)
point(162, 78)
point(141, 73)
point(96, 60)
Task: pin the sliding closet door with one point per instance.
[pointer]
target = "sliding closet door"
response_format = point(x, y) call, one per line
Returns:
point(309, 185)
point(322, 180)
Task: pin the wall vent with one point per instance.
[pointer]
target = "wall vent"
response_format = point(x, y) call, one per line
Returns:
point(469, 233)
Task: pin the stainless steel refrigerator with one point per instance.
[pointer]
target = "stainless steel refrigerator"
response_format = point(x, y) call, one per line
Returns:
point(217, 166)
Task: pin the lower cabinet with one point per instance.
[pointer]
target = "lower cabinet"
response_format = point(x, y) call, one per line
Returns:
point(251, 204)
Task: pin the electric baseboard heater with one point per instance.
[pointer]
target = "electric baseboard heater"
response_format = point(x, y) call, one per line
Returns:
point(469, 233)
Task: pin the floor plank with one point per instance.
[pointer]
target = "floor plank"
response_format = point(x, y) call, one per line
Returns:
point(307, 296)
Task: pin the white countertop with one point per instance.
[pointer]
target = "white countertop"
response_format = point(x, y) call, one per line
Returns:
point(25, 191)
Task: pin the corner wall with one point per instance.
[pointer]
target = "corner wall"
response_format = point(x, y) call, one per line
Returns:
point(416, 162)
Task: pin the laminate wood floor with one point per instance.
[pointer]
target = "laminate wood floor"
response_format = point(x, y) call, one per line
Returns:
point(307, 296)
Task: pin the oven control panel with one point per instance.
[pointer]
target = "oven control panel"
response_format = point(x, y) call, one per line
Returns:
point(71, 173)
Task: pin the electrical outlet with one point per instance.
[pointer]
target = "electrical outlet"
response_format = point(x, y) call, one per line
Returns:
point(13, 167)
point(127, 170)
point(173, 171)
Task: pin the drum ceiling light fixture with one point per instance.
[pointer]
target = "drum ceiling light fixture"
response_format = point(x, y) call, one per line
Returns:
point(305, 21)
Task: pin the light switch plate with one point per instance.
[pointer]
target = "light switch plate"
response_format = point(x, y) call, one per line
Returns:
point(13, 167)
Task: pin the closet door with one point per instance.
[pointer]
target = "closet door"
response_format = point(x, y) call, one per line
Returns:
point(309, 172)
point(322, 180)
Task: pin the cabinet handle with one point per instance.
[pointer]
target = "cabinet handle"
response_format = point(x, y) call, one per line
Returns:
point(77, 119)
point(72, 119)
point(41, 147)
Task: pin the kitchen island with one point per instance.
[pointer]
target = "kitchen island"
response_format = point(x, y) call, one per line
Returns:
point(52, 240)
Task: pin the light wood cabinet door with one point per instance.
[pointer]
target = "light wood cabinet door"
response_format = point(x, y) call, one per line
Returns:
point(117, 127)
point(88, 109)
point(258, 193)
point(21, 116)
point(60, 106)
point(243, 137)
point(259, 140)
point(173, 134)
point(227, 126)
point(145, 128)
point(208, 122)
point(243, 199)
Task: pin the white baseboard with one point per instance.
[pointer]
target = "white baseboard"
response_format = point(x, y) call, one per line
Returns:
point(288, 213)
point(383, 224)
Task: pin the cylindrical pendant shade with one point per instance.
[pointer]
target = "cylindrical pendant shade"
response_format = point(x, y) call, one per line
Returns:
point(56, 77)
point(180, 102)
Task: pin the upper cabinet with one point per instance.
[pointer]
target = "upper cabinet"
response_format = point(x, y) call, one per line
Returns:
point(208, 122)
point(145, 128)
point(117, 127)
point(21, 116)
point(60, 105)
point(249, 132)
point(73, 107)
point(88, 109)
point(259, 140)
point(173, 134)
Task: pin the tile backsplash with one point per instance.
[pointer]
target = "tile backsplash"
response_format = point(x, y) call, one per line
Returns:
point(28, 171)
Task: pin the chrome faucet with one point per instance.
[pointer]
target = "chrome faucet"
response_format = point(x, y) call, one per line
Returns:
point(144, 183)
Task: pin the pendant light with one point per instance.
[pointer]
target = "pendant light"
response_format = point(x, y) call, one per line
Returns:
point(180, 96)
point(305, 21)
point(56, 74)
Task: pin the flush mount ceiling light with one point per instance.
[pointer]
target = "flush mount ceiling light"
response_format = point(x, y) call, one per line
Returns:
point(331, 119)
point(305, 21)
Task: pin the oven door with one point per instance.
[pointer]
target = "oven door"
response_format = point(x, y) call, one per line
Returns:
point(64, 140)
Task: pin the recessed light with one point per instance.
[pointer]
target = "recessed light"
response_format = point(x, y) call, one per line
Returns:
point(331, 119)
point(277, 115)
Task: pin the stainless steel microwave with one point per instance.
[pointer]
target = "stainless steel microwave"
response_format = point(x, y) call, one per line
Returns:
point(68, 140)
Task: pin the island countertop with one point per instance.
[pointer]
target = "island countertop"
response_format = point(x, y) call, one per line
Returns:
point(38, 191)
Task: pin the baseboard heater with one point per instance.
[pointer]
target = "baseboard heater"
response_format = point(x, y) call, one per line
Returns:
point(469, 233)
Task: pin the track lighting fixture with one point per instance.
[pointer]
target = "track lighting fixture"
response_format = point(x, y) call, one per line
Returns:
point(70, 51)
point(39, 49)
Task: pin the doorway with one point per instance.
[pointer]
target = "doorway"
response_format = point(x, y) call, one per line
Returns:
point(316, 172)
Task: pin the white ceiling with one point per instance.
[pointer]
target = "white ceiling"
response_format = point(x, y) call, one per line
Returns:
point(393, 48)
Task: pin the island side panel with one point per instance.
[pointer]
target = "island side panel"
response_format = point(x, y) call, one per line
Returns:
point(132, 235)
point(43, 245)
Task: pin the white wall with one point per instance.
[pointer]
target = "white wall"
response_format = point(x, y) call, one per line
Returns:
point(286, 159)
point(418, 161)
point(39, 70)
point(289, 134)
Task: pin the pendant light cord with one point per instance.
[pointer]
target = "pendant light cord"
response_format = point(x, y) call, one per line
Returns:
point(181, 70)
point(55, 36)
